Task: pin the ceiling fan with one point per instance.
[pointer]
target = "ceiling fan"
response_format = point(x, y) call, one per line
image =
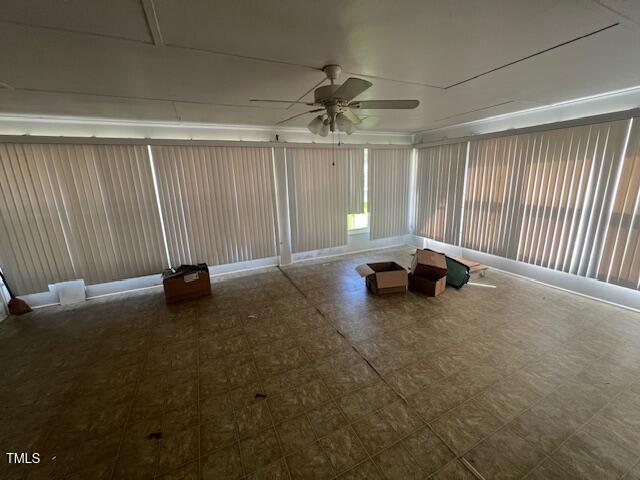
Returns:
point(337, 104)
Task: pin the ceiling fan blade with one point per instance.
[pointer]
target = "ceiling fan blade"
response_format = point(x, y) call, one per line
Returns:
point(299, 115)
point(351, 88)
point(385, 104)
point(280, 101)
point(353, 118)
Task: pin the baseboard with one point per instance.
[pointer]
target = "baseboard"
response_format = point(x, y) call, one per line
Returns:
point(586, 287)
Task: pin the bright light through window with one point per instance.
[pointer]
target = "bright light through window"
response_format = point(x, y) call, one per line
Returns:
point(359, 221)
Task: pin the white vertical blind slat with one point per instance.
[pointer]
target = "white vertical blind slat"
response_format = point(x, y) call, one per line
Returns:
point(356, 181)
point(77, 211)
point(318, 182)
point(389, 172)
point(555, 199)
point(106, 212)
point(439, 188)
point(218, 203)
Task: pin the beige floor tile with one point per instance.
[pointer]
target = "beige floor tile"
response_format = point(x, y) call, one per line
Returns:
point(214, 376)
point(295, 434)
point(454, 470)
point(260, 450)
point(364, 471)
point(596, 452)
point(343, 448)
point(427, 450)
point(464, 426)
point(310, 463)
point(395, 462)
point(277, 470)
point(224, 463)
point(504, 455)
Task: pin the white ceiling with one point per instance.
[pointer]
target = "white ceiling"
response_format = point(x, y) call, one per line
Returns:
point(201, 61)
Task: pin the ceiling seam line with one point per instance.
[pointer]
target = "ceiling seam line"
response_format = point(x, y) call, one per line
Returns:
point(77, 32)
point(474, 111)
point(154, 99)
point(244, 57)
point(616, 12)
point(151, 43)
point(581, 37)
point(153, 22)
point(307, 93)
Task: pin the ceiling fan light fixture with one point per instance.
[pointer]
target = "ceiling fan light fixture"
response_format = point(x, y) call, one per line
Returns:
point(350, 128)
point(324, 130)
point(315, 125)
point(342, 122)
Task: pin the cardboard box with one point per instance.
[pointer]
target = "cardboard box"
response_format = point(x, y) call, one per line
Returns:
point(427, 286)
point(384, 277)
point(428, 273)
point(186, 283)
point(427, 263)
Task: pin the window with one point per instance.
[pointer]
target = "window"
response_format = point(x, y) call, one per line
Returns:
point(360, 221)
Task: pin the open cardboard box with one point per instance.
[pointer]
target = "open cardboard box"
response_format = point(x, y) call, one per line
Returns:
point(384, 277)
point(428, 273)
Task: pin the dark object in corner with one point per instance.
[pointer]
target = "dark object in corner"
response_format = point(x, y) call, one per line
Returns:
point(155, 436)
point(457, 273)
point(16, 306)
point(261, 395)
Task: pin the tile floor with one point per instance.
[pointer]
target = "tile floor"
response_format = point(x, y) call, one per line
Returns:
point(517, 381)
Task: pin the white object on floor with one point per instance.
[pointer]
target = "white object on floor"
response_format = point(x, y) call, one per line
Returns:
point(69, 292)
point(481, 285)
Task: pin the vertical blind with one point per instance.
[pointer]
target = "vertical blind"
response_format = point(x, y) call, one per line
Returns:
point(356, 180)
point(439, 191)
point(112, 216)
point(33, 247)
point(546, 198)
point(218, 203)
point(318, 196)
point(620, 260)
point(77, 211)
point(566, 199)
point(494, 191)
point(389, 172)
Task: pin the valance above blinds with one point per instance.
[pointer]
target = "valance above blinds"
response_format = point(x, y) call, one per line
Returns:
point(77, 211)
point(389, 172)
point(318, 180)
point(439, 189)
point(218, 203)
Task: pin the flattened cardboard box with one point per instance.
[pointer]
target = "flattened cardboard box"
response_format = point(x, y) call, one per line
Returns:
point(186, 287)
point(428, 273)
point(382, 278)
